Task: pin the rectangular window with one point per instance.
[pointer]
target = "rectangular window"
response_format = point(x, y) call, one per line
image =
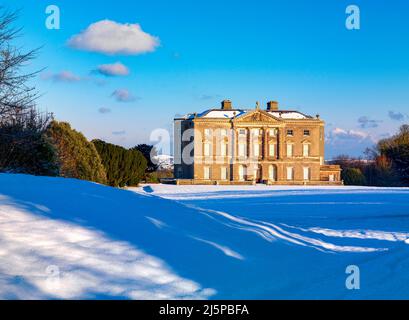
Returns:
point(223, 149)
point(306, 150)
point(256, 150)
point(331, 178)
point(306, 173)
point(207, 133)
point(290, 173)
point(242, 132)
point(272, 173)
point(290, 133)
point(306, 132)
point(241, 173)
point(206, 173)
point(290, 150)
point(207, 149)
point(223, 173)
point(242, 150)
point(272, 150)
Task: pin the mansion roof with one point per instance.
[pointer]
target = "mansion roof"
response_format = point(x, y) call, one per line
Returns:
point(234, 113)
point(227, 111)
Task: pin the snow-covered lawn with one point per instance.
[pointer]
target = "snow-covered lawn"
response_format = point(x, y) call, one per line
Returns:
point(64, 238)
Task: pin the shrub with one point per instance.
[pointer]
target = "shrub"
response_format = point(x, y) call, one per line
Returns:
point(152, 177)
point(25, 149)
point(77, 157)
point(149, 152)
point(353, 176)
point(123, 167)
point(396, 149)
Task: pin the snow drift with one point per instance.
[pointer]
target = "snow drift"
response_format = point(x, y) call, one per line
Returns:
point(64, 238)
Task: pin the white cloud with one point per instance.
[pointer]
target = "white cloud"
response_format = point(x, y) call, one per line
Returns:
point(351, 142)
point(119, 133)
point(104, 110)
point(366, 122)
point(62, 76)
point(112, 70)
point(123, 95)
point(397, 116)
point(70, 77)
point(110, 37)
point(209, 96)
point(341, 134)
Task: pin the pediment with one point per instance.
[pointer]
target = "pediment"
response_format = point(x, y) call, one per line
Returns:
point(257, 116)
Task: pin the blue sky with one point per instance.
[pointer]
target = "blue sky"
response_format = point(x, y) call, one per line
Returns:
point(296, 52)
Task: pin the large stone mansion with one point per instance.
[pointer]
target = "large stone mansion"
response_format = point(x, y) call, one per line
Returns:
point(242, 146)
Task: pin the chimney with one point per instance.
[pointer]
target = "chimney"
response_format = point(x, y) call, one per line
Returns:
point(272, 106)
point(226, 105)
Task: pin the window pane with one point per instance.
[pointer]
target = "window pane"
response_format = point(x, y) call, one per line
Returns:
point(256, 148)
point(241, 172)
point(306, 173)
point(206, 173)
point(272, 173)
point(223, 173)
point(207, 149)
point(289, 173)
point(306, 150)
point(289, 150)
point(272, 150)
point(223, 149)
point(242, 150)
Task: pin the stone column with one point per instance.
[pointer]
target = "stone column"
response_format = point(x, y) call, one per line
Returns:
point(265, 143)
point(280, 146)
point(248, 140)
point(233, 147)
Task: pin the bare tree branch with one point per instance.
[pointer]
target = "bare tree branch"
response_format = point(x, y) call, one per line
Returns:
point(22, 126)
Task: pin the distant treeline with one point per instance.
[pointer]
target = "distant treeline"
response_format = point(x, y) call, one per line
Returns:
point(387, 164)
point(56, 149)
